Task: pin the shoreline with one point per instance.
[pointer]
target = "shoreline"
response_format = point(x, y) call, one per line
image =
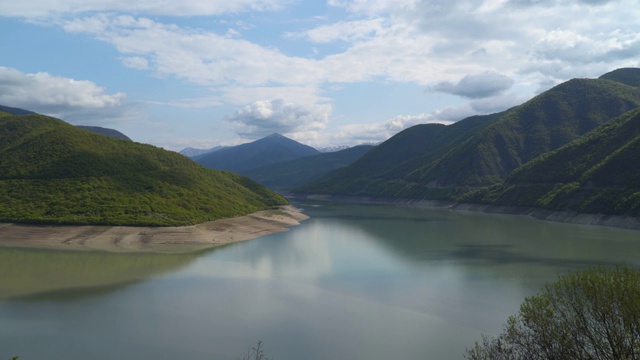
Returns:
point(155, 239)
point(570, 217)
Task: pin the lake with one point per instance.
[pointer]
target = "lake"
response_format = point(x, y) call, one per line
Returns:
point(352, 282)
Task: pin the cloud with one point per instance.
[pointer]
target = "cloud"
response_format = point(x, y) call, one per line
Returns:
point(136, 62)
point(477, 86)
point(200, 57)
point(46, 8)
point(377, 132)
point(279, 116)
point(346, 31)
point(69, 99)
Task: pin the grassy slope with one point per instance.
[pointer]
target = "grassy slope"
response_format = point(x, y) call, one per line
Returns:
point(288, 174)
point(415, 164)
point(596, 173)
point(55, 173)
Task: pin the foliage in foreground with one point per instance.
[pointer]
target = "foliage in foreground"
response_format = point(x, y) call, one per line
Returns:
point(255, 353)
point(589, 314)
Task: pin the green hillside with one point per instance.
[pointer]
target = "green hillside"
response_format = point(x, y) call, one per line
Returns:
point(288, 174)
point(381, 170)
point(441, 162)
point(597, 173)
point(54, 173)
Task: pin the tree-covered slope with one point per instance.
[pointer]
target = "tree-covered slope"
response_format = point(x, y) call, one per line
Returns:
point(54, 173)
point(596, 173)
point(272, 149)
point(441, 161)
point(629, 76)
point(381, 170)
point(288, 174)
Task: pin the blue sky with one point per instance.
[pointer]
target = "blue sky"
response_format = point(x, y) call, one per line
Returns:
point(338, 72)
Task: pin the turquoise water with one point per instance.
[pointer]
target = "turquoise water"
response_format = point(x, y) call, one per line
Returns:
point(352, 282)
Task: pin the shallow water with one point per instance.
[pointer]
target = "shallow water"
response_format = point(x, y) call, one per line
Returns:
point(352, 282)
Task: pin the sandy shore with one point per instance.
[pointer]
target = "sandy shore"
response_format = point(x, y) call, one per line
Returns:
point(170, 239)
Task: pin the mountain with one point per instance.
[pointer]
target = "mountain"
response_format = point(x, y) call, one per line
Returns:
point(629, 76)
point(438, 161)
point(193, 152)
point(272, 149)
point(596, 173)
point(105, 131)
point(332, 148)
point(15, 111)
point(55, 173)
point(289, 174)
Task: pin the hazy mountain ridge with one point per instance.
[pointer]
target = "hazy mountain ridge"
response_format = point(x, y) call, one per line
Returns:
point(193, 152)
point(269, 150)
point(478, 151)
point(105, 131)
point(284, 176)
point(55, 173)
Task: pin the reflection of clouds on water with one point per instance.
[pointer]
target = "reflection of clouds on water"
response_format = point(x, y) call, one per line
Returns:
point(304, 254)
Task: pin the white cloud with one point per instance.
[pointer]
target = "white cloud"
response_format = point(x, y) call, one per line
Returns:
point(374, 133)
point(345, 31)
point(69, 99)
point(279, 116)
point(136, 62)
point(477, 86)
point(199, 57)
point(47, 8)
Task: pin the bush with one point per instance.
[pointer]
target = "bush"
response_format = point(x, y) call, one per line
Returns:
point(589, 314)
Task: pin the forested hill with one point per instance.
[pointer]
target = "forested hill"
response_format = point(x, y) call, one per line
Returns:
point(55, 173)
point(437, 161)
point(596, 173)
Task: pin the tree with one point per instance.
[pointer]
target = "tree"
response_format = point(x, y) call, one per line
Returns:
point(587, 314)
point(255, 353)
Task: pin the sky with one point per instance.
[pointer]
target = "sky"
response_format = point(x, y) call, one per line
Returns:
point(204, 73)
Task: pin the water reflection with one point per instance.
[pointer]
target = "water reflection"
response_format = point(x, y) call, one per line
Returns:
point(423, 235)
point(352, 282)
point(64, 275)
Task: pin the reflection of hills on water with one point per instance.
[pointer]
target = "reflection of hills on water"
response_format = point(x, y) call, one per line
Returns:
point(421, 236)
point(42, 274)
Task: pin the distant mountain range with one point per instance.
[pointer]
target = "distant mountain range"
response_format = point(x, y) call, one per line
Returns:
point(105, 131)
point(574, 147)
point(193, 152)
point(481, 158)
point(55, 173)
point(269, 150)
point(284, 176)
